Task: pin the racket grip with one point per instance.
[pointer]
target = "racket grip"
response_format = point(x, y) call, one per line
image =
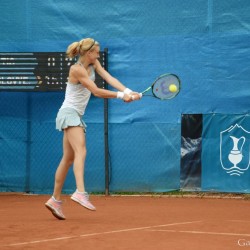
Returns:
point(133, 97)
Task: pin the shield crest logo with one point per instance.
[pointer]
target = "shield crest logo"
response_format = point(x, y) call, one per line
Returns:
point(234, 150)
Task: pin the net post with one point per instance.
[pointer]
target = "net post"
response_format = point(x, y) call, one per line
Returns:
point(106, 142)
point(28, 144)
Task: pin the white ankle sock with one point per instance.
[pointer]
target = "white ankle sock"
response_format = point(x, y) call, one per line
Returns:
point(80, 192)
point(55, 199)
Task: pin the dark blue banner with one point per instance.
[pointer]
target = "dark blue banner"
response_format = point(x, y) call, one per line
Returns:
point(226, 153)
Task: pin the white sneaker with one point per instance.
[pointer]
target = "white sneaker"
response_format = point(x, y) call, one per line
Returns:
point(83, 199)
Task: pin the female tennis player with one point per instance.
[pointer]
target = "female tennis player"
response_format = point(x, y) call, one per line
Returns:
point(80, 85)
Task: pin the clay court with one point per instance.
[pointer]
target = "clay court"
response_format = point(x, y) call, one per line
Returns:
point(126, 223)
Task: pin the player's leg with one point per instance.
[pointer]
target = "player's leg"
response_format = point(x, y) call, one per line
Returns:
point(54, 204)
point(76, 137)
point(65, 164)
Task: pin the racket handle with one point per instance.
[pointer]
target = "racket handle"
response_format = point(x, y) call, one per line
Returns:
point(133, 97)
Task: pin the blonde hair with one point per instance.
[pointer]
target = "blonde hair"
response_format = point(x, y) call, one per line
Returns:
point(81, 47)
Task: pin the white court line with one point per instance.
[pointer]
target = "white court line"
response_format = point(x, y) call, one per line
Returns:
point(198, 232)
point(101, 233)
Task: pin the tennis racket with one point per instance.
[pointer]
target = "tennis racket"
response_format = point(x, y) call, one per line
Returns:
point(165, 87)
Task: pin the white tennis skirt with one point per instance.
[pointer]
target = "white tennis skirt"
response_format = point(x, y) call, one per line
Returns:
point(69, 117)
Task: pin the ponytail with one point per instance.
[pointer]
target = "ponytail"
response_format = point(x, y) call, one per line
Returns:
point(73, 50)
point(81, 47)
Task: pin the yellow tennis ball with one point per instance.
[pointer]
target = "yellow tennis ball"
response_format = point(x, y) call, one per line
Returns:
point(172, 88)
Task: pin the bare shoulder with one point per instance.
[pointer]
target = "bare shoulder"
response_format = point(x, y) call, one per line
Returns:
point(99, 69)
point(76, 69)
point(97, 65)
point(76, 72)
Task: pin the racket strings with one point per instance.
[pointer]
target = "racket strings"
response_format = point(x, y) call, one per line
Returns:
point(166, 86)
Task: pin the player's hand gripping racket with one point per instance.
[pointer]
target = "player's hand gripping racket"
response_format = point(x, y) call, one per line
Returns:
point(165, 87)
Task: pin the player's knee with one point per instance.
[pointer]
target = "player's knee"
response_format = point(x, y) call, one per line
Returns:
point(81, 153)
point(68, 161)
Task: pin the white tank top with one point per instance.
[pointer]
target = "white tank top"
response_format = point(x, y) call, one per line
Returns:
point(77, 96)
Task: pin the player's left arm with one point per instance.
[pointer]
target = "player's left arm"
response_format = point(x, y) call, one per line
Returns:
point(108, 78)
point(113, 81)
